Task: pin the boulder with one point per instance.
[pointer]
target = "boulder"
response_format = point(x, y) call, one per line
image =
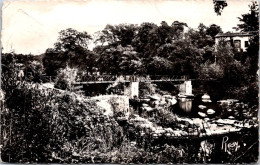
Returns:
point(210, 111)
point(205, 96)
point(233, 100)
point(202, 114)
point(231, 117)
point(157, 102)
point(202, 106)
point(154, 97)
point(148, 109)
point(167, 96)
point(206, 101)
point(227, 101)
point(172, 101)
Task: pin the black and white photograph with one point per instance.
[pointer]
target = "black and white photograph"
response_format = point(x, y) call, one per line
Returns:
point(129, 82)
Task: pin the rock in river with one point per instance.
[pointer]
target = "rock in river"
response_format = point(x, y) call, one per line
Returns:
point(155, 97)
point(210, 111)
point(172, 101)
point(202, 114)
point(202, 106)
point(205, 97)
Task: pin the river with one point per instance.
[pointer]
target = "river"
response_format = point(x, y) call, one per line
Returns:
point(193, 107)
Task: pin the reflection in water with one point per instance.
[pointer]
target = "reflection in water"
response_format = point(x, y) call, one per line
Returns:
point(185, 104)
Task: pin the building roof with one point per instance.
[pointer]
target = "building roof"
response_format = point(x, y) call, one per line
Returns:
point(242, 34)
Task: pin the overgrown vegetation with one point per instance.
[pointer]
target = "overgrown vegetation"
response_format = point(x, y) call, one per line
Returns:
point(56, 127)
point(49, 125)
point(65, 78)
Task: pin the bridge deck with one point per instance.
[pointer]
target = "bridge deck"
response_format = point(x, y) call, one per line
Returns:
point(107, 82)
point(95, 79)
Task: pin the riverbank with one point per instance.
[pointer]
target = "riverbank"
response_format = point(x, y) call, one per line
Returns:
point(65, 127)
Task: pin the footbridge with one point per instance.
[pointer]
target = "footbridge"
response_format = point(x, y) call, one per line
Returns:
point(185, 86)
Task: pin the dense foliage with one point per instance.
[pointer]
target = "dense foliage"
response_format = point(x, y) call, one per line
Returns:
point(65, 78)
point(150, 49)
point(53, 125)
point(219, 5)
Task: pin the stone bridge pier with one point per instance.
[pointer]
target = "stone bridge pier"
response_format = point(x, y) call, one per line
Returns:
point(133, 90)
point(134, 86)
point(186, 88)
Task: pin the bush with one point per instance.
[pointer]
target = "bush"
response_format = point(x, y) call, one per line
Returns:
point(65, 77)
point(53, 126)
point(146, 88)
point(211, 71)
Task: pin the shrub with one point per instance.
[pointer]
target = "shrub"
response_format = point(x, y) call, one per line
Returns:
point(65, 77)
point(146, 88)
point(53, 126)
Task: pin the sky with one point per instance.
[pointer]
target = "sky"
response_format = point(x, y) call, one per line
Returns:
point(33, 26)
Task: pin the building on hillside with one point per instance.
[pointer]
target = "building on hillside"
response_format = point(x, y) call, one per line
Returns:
point(240, 41)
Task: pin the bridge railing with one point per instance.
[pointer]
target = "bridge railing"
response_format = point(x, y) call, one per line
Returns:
point(168, 77)
point(131, 78)
point(98, 78)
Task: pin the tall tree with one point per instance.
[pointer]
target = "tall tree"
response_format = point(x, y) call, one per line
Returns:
point(213, 30)
point(142, 41)
point(74, 45)
point(160, 66)
point(219, 5)
point(115, 35)
point(71, 39)
point(118, 60)
point(250, 21)
point(70, 49)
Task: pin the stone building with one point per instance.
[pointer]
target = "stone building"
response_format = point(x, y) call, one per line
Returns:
point(240, 41)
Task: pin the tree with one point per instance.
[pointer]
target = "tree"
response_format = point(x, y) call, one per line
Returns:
point(8, 73)
point(142, 40)
point(186, 57)
point(160, 66)
point(115, 35)
point(213, 30)
point(129, 62)
point(70, 49)
point(70, 39)
point(115, 51)
point(35, 68)
point(65, 78)
point(152, 49)
point(224, 54)
point(235, 73)
point(250, 21)
point(159, 36)
point(119, 60)
point(219, 5)
point(54, 60)
point(199, 36)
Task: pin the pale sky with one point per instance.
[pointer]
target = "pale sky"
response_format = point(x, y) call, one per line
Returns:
point(33, 26)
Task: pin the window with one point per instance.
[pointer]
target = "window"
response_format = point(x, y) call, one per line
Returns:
point(237, 44)
point(228, 42)
point(246, 43)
